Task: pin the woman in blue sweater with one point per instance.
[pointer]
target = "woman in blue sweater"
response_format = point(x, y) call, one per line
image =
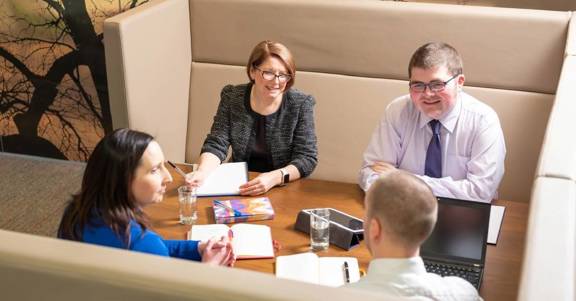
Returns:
point(124, 174)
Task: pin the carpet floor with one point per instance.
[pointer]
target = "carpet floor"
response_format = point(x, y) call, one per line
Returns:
point(34, 192)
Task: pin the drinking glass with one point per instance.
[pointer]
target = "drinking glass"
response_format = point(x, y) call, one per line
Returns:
point(187, 203)
point(319, 229)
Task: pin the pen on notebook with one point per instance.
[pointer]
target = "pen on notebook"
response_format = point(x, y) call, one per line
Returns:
point(220, 204)
point(178, 170)
point(346, 272)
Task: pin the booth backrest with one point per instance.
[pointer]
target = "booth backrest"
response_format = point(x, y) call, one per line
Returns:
point(41, 268)
point(351, 55)
point(548, 270)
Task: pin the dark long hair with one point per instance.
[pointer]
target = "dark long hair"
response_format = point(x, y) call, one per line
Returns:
point(106, 191)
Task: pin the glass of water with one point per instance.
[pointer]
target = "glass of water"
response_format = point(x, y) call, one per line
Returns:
point(187, 203)
point(319, 229)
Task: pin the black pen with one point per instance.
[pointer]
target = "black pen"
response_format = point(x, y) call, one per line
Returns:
point(346, 272)
point(178, 170)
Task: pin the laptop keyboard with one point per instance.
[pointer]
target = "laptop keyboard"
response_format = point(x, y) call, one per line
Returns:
point(471, 274)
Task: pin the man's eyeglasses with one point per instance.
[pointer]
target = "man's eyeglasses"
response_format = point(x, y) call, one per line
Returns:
point(267, 75)
point(434, 86)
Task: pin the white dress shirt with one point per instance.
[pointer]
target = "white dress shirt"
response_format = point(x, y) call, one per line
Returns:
point(472, 141)
point(407, 277)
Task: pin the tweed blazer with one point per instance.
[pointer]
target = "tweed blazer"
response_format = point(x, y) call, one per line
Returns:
point(290, 132)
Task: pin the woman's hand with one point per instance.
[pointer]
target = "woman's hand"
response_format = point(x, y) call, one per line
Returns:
point(261, 183)
point(217, 252)
point(196, 178)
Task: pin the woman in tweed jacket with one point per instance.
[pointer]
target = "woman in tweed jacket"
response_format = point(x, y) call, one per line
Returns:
point(266, 122)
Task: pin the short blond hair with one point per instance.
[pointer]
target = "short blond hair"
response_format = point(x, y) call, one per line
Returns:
point(405, 206)
point(266, 49)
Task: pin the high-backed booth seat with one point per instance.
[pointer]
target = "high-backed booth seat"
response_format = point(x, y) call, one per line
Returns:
point(549, 257)
point(168, 59)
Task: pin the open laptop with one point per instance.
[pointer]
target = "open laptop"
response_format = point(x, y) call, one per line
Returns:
point(457, 245)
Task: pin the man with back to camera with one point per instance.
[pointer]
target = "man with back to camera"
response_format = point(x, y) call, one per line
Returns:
point(400, 214)
point(447, 138)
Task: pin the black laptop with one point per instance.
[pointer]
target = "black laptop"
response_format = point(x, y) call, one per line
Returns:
point(457, 245)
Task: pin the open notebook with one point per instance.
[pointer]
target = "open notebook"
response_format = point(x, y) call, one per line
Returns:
point(308, 267)
point(248, 241)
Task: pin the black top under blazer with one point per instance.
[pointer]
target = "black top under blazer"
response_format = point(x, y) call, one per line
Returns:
point(290, 132)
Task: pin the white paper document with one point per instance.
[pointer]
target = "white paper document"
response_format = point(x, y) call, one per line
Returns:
point(224, 180)
point(308, 267)
point(496, 217)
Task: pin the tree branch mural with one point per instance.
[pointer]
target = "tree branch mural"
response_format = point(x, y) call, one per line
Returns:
point(53, 90)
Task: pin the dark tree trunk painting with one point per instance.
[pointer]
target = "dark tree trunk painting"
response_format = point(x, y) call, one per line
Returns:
point(53, 90)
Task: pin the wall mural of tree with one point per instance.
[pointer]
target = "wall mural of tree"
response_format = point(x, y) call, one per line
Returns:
point(53, 90)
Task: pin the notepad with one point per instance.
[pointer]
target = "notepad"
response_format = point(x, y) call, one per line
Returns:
point(248, 241)
point(308, 267)
point(496, 217)
point(224, 180)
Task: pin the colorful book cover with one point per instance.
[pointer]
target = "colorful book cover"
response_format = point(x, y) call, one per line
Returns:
point(245, 210)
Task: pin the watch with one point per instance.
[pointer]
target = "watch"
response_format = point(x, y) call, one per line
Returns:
point(285, 177)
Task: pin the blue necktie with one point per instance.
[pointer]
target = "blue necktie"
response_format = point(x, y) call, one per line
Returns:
point(433, 165)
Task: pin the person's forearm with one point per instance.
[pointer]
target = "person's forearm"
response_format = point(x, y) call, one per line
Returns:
point(293, 171)
point(208, 162)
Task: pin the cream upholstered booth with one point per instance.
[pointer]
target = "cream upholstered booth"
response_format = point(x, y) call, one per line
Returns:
point(168, 60)
point(41, 268)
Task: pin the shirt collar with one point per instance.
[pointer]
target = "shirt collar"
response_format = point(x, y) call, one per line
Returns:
point(392, 267)
point(448, 121)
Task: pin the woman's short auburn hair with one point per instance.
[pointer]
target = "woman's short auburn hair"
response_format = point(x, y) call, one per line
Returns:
point(265, 49)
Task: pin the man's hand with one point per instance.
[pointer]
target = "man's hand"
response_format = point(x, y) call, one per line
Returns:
point(381, 167)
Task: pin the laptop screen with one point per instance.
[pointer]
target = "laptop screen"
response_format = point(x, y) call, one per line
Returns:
point(460, 233)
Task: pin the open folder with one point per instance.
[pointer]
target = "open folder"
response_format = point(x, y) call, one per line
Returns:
point(224, 180)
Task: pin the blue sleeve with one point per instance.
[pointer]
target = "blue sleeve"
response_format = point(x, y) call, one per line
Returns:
point(186, 249)
point(153, 243)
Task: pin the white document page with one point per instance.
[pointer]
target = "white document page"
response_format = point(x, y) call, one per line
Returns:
point(300, 267)
point(224, 180)
point(252, 241)
point(496, 217)
point(332, 270)
point(205, 232)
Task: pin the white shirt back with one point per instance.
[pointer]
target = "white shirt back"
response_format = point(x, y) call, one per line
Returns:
point(408, 278)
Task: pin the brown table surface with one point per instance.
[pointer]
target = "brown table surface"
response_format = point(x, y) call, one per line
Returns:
point(503, 261)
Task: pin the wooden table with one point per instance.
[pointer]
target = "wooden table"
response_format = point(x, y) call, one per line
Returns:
point(503, 263)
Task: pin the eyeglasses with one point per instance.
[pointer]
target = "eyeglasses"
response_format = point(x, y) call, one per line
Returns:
point(267, 75)
point(434, 86)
